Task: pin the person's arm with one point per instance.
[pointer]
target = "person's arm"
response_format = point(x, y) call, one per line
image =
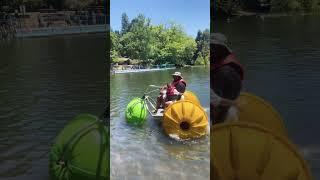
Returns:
point(215, 100)
point(227, 102)
point(219, 101)
point(176, 92)
point(181, 88)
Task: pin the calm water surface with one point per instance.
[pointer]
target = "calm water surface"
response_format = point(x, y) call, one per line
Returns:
point(146, 152)
point(44, 83)
point(282, 60)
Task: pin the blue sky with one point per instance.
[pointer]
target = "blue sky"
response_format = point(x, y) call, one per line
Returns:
point(191, 14)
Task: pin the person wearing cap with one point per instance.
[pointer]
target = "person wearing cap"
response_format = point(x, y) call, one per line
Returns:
point(226, 78)
point(172, 91)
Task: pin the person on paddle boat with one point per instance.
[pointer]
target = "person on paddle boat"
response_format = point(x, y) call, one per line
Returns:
point(226, 80)
point(171, 92)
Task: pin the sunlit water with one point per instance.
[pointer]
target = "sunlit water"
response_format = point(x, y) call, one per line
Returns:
point(282, 60)
point(147, 152)
point(45, 82)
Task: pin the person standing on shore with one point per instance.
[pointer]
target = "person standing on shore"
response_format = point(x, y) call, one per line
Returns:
point(226, 78)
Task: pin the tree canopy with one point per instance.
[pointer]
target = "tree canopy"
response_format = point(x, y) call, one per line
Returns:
point(158, 44)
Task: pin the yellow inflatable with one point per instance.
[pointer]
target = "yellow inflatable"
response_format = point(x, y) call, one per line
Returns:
point(189, 96)
point(185, 119)
point(254, 109)
point(245, 151)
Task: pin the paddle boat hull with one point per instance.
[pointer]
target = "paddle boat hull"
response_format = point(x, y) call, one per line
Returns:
point(185, 119)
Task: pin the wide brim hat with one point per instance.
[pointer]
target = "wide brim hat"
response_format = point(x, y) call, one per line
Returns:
point(177, 74)
point(220, 39)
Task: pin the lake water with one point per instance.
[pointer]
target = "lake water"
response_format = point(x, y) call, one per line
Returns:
point(147, 152)
point(282, 60)
point(45, 82)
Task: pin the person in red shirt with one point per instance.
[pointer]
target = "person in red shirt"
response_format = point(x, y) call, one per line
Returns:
point(171, 92)
point(226, 77)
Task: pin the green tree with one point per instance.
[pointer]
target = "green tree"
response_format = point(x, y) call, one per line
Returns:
point(178, 48)
point(162, 43)
point(158, 41)
point(203, 45)
point(115, 46)
point(125, 23)
point(135, 42)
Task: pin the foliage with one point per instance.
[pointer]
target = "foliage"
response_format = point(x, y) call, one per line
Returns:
point(135, 42)
point(159, 44)
point(77, 4)
point(202, 60)
point(286, 6)
point(203, 44)
point(115, 46)
point(228, 7)
point(125, 23)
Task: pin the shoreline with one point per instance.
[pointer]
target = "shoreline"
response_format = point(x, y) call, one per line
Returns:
point(46, 24)
point(268, 15)
point(138, 70)
point(56, 31)
point(124, 71)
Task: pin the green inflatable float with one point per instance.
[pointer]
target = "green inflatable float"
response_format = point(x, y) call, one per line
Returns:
point(81, 151)
point(136, 111)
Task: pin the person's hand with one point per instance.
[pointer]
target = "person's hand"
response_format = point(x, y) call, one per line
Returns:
point(239, 104)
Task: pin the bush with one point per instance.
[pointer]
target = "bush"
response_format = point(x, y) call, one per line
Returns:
point(202, 60)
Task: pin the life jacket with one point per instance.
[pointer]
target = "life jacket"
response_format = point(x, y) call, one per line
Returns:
point(232, 61)
point(172, 87)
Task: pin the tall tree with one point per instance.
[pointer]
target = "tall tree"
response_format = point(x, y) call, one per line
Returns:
point(206, 42)
point(203, 45)
point(136, 41)
point(125, 23)
point(199, 44)
point(115, 46)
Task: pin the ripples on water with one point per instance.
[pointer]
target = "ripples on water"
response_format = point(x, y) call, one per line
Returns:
point(146, 152)
point(282, 59)
point(45, 82)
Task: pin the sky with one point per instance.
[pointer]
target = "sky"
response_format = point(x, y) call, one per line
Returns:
point(193, 15)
